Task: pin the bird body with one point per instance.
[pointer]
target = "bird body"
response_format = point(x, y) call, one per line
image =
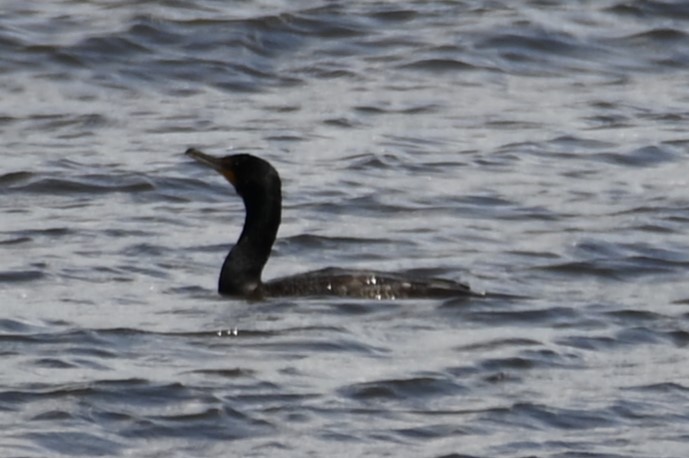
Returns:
point(369, 284)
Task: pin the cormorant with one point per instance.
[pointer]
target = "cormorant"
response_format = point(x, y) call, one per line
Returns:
point(259, 186)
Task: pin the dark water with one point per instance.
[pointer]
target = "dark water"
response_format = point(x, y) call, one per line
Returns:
point(537, 148)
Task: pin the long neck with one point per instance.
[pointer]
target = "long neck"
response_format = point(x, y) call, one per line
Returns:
point(241, 271)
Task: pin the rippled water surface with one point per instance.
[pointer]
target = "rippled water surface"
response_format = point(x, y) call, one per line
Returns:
point(532, 148)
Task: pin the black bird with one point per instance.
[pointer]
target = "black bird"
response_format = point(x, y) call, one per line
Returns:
point(258, 184)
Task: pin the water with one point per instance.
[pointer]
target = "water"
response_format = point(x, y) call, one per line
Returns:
point(535, 148)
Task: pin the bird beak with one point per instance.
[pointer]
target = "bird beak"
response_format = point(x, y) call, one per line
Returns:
point(213, 162)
